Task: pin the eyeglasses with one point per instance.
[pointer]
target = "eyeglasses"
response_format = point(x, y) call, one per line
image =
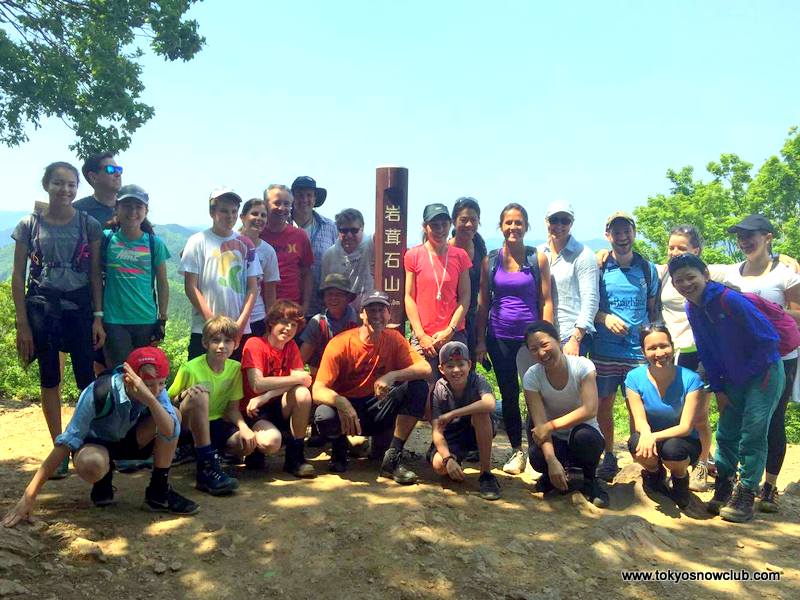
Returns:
point(559, 221)
point(350, 230)
point(111, 169)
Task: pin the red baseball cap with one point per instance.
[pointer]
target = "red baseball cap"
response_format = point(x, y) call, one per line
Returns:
point(149, 355)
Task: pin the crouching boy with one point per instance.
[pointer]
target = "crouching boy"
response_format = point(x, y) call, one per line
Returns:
point(461, 413)
point(208, 389)
point(123, 414)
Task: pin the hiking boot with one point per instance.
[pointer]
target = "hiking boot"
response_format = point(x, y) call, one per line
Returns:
point(722, 493)
point(680, 491)
point(295, 461)
point(594, 493)
point(393, 468)
point(62, 471)
point(489, 486)
point(740, 506)
point(768, 499)
point(698, 479)
point(339, 458)
point(171, 502)
point(255, 461)
point(102, 491)
point(472, 456)
point(515, 463)
point(608, 468)
point(184, 453)
point(212, 479)
point(655, 482)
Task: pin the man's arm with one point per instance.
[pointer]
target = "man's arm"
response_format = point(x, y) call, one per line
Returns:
point(249, 302)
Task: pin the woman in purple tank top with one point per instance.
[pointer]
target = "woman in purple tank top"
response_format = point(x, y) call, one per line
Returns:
point(518, 295)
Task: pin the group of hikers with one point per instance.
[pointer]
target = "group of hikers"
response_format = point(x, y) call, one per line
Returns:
point(291, 346)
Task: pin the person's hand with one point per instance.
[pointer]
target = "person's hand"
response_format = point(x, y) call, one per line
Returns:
point(480, 352)
point(426, 343)
point(383, 385)
point(572, 347)
point(348, 417)
point(541, 433)
point(303, 379)
point(558, 477)
point(440, 338)
point(134, 385)
point(253, 406)
point(601, 256)
point(454, 470)
point(159, 332)
point(98, 333)
point(248, 438)
point(722, 401)
point(25, 346)
point(615, 325)
point(21, 512)
point(443, 420)
point(646, 448)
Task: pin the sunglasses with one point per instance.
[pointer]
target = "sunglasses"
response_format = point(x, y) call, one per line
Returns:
point(559, 221)
point(111, 169)
point(350, 230)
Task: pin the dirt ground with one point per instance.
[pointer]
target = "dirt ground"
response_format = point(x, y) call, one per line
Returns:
point(359, 537)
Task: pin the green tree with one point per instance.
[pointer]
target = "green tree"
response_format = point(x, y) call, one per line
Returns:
point(78, 60)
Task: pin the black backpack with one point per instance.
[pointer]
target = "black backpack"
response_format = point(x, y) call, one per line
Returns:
point(531, 260)
point(102, 396)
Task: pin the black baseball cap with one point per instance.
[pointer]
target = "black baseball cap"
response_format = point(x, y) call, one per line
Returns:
point(753, 223)
point(435, 210)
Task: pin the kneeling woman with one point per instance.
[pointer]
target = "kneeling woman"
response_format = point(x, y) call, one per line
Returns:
point(663, 400)
point(561, 393)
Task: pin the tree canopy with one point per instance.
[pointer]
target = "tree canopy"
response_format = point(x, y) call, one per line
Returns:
point(731, 194)
point(78, 60)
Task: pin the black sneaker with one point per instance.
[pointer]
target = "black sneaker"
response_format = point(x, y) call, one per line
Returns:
point(655, 482)
point(680, 491)
point(102, 491)
point(171, 502)
point(722, 493)
point(392, 468)
point(768, 499)
point(339, 452)
point(184, 453)
point(543, 485)
point(212, 479)
point(740, 506)
point(255, 461)
point(489, 486)
point(472, 456)
point(594, 493)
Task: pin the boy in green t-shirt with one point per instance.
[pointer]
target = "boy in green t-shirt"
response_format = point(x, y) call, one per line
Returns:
point(208, 390)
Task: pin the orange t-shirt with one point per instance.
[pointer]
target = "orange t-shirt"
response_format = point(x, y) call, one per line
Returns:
point(350, 366)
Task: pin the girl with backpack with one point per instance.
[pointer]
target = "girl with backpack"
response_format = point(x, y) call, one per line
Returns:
point(518, 294)
point(739, 348)
point(136, 293)
point(62, 307)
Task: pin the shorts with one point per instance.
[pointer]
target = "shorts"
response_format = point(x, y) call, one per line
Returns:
point(460, 441)
point(272, 411)
point(258, 328)
point(221, 431)
point(128, 447)
point(611, 373)
point(458, 336)
point(122, 339)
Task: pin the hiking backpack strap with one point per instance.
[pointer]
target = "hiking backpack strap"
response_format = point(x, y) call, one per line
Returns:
point(102, 396)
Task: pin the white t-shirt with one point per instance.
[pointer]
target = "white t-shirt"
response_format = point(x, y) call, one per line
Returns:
point(558, 403)
point(222, 265)
point(269, 267)
point(772, 285)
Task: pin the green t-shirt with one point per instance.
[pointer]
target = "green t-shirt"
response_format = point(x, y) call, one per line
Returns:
point(224, 388)
point(128, 295)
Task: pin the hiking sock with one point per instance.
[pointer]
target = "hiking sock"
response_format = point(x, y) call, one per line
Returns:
point(159, 480)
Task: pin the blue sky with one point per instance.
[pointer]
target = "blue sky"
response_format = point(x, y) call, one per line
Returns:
point(508, 101)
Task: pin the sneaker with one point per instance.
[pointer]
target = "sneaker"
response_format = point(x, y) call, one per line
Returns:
point(339, 458)
point(655, 483)
point(595, 494)
point(393, 468)
point(722, 493)
point(740, 505)
point(255, 461)
point(171, 502)
point(608, 469)
point(359, 447)
point(680, 491)
point(472, 456)
point(213, 480)
point(543, 485)
point(515, 463)
point(102, 491)
point(768, 499)
point(698, 479)
point(490, 487)
point(62, 471)
point(300, 468)
point(183, 454)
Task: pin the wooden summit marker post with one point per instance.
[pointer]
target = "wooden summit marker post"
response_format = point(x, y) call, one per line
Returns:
point(391, 226)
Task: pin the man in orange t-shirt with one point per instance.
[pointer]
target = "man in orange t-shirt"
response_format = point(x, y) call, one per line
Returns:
point(369, 381)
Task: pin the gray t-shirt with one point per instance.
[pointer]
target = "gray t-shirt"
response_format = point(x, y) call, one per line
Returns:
point(58, 244)
point(96, 209)
point(443, 400)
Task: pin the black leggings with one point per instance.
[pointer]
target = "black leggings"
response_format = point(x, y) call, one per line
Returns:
point(582, 450)
point(504, 360)
point(674, 449)
point(776, 438)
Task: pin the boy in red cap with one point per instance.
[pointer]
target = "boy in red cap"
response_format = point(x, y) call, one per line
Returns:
point(123, 414)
